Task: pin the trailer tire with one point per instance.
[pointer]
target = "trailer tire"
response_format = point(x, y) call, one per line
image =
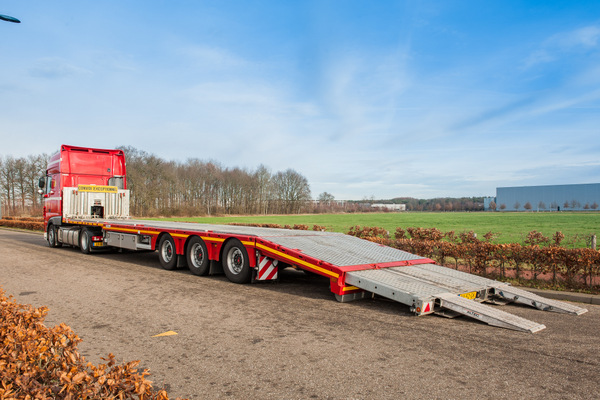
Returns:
point(197, 256)
point(53, 237)
point(236, 264)
point(166, 252)
point(85, 240)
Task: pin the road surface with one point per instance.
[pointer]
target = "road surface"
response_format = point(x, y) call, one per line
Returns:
point(291, 340)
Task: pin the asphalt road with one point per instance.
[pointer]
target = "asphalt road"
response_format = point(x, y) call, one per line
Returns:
point(291, 340)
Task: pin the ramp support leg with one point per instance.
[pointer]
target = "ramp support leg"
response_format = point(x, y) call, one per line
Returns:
point(345, 293)
point(345, 298)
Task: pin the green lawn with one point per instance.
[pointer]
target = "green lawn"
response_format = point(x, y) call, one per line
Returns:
point(510, 227)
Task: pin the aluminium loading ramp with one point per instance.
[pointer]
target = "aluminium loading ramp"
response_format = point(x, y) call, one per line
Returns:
point(448, 287)
point(355, 265)
point(421, 284)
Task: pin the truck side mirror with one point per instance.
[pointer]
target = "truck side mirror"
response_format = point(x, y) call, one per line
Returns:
point(42, 182)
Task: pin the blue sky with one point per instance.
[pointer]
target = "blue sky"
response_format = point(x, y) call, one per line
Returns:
point(364, 98)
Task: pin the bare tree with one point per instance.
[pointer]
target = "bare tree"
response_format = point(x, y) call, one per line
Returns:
point(263, 178)
point(575, 204)
point(325, 198)
point(36, 168)
point(7, 183)
point(291, 190)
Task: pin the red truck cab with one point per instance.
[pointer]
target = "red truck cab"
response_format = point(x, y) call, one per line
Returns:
point(74, 166)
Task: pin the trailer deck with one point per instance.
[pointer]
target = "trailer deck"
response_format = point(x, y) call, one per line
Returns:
point(357, 269)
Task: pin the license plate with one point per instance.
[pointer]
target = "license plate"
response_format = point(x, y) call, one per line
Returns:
point(98, 244)
point(470, 295)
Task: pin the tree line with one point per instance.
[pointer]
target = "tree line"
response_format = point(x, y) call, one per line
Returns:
point(19, 184)
point(438, 204)
point(194, 187)
point(541, 206)
point(197, 187)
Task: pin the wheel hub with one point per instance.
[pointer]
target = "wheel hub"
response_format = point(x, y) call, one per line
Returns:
point(236, 261)
point(167, 251)
point(198, 255)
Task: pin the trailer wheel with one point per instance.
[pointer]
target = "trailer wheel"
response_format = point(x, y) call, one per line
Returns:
point(85, 241)
point(53, 237)
point(166, 253)
point(197, 256)
point(236, 264)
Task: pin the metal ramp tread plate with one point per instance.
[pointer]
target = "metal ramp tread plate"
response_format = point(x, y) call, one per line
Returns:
point(504, 290)
point(450, 272)
point(452, 283)
point(342, 250)
point(387, 282)
point(200, 227)
point(392, 283)
point(487, 314)
point(531, 299)
point(332, 247)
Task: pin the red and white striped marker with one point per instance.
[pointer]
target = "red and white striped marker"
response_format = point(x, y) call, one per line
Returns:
point(267, 269)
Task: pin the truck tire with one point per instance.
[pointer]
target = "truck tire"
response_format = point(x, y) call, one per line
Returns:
point(85, 241)
point(197, 256)
point(166, 252)
point(236, 263)
point(53, 237)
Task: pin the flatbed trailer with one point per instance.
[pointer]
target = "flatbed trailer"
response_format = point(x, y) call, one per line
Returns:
point(96, 216)
point(356, 268)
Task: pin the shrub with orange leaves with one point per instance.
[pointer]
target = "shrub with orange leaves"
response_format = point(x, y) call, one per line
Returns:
point(539, 254)
point(32, 224)
point(368, 232)
point(37, 362)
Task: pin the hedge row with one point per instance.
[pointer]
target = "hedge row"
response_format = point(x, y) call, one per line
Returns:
point(32, 224)
point(34, 219)
point(538, 255)
point(37, 362)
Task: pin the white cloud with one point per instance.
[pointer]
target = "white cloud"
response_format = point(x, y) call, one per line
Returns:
point(55, 68)
point(586, 37)
point(557, 45)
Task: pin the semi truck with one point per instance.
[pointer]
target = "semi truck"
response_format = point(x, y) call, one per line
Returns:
point(86, 205)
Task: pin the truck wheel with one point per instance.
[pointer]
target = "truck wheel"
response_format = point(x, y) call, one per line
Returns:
point(53, 237)
point(197, 256)
point(236, 264)
point(166, 253)
point(85, 241)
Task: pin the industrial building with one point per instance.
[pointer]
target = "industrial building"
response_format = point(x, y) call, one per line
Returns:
point(575, 197)
point(390, 207)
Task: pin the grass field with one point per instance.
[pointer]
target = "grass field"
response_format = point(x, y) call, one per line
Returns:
point(510, 227)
